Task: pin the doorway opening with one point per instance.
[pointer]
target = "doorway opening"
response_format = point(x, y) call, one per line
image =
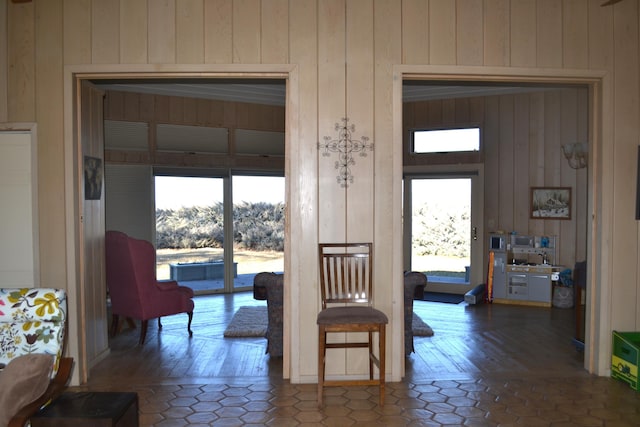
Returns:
point(240, 135)
point(524, 124)
point(441, 229)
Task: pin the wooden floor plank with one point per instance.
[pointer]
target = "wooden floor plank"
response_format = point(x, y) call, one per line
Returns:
point(468, 341)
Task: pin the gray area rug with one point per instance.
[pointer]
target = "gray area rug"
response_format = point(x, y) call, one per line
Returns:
point(420, 328)
point(248, 322)
point(252, 322)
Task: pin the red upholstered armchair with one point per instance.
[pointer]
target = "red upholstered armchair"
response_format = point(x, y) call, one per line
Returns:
point(134, 290)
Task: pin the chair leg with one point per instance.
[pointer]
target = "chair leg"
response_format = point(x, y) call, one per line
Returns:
point(115, 319)
point(322, 337)
point(381, 352)
point(131, 323)
point(159, 324)
point(190, 314)
point(370, 354)
point(143, 331)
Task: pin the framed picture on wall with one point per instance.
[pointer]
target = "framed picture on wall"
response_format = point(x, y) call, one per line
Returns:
point(550, 203)
point(92, 178)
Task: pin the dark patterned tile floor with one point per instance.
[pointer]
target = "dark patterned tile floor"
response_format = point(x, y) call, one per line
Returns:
point(576, 400)
point(487, 365)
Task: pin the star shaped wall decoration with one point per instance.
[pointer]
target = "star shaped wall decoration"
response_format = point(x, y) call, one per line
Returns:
point(345, 145)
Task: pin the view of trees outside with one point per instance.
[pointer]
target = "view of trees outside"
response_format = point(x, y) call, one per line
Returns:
point(441, 226)
point(258, 225)
point(190, 222)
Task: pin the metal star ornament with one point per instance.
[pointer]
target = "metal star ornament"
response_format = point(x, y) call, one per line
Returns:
point(345, 145)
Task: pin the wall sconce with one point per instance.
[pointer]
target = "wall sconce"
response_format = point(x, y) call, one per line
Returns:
point(576, 154)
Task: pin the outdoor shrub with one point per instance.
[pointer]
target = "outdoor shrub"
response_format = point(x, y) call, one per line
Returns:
point(443, 232)
point(257, 226)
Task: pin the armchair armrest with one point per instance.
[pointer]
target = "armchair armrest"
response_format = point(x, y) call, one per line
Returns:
point(172, 286)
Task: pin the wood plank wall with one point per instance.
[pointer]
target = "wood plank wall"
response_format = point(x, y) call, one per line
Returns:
point(344, 53)
point(522, 136)
point(155, 109)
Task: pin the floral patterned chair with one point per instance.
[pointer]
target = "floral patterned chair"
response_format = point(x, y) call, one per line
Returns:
point(32, 338)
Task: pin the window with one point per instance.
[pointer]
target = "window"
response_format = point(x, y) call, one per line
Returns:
point(445, 140)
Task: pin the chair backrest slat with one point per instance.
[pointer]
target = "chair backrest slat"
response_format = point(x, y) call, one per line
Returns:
point(346, 273)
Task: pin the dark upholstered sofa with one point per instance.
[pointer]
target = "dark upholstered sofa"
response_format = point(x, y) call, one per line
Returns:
point(270, 286)
point(414, 285)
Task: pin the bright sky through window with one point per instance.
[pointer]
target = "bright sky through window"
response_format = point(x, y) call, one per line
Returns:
point(176, 192)
point(446, 141)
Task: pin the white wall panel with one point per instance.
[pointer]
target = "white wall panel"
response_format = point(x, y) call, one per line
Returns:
point(18, 210)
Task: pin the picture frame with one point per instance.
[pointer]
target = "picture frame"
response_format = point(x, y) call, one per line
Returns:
point(550, 203)
point(92, 178)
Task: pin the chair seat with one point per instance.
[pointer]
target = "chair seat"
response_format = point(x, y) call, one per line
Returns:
point(351, 315)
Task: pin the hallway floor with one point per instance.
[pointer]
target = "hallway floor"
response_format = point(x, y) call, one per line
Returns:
point(486, 365)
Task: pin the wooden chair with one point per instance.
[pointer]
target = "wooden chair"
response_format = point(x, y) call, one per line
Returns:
point(346, 283)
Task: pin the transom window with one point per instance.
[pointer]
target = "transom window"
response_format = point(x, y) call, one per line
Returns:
point(446, 140)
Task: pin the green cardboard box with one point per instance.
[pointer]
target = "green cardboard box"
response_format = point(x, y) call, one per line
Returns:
point(625, 357)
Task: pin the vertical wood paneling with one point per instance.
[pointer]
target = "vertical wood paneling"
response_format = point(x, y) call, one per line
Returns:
point(77, 31)
point(521, 162)
point(469, 32)
point(569, 134)
point(105, 35)
point(442, 32)
point(549, 33)
point(505, 161)
point(575, 34)
point(93, 284)
point(131, 106)
point(133, 31)
point(523, 25)
point(388, 166)
point(189, 32)
point(415, 32)
point(491, 147)
point(246, 31)
point(582, 186)
point(162, 32)
point(331, 110)
point(497, 44)
point(303, 187)
point(359, 103)
point(476, 111)
point(217, 31)
point(536, 149)
point(552, 131)
point(4, 109)
point(49, 116)
point(21, 75)
point(626, 90)
point(435, 113)
point(600, 36)
point(448, 112)
point(462, 110)
point(275, 32)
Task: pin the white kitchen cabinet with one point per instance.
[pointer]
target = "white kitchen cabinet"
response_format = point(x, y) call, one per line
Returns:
point(525, 284)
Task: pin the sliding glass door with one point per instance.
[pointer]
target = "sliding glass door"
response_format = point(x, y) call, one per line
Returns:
point(214, 234)
point(258, 227)
point(190, 231)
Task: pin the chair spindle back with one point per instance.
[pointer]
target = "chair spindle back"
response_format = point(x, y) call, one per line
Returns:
point(346, 273)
